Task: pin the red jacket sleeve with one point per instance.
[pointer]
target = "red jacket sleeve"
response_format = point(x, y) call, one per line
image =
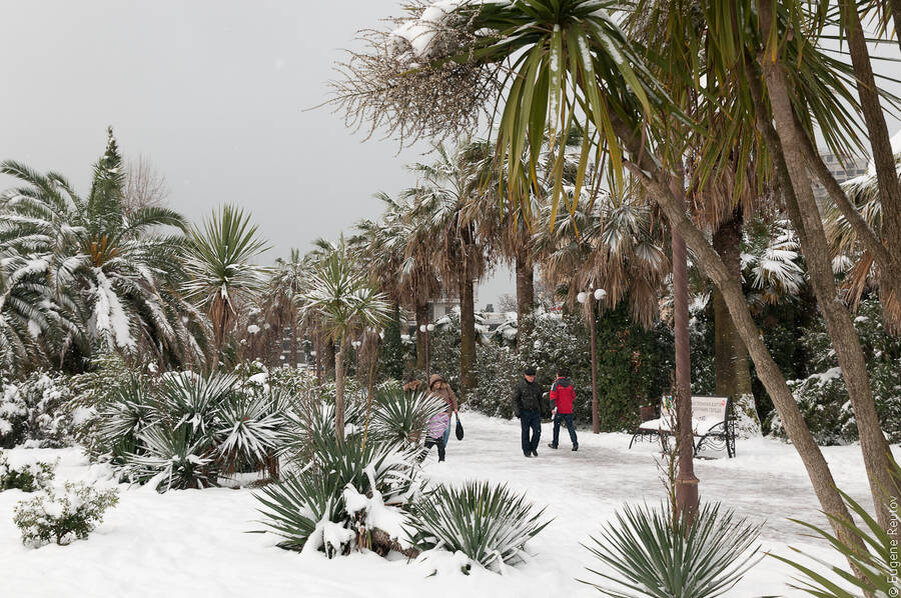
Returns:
point(553, 394)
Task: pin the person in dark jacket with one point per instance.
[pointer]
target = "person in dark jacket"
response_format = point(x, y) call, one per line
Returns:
point(562, 396)
point(527, 407)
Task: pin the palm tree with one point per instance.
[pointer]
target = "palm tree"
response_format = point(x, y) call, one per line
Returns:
point(448, 187)
point(344, 303)
point(573, 53)
point(110, 270)
point(219, 266)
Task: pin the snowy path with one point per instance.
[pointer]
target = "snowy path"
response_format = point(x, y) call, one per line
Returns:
point(192, 543)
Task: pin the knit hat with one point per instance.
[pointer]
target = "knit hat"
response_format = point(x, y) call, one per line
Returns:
point(530, 371)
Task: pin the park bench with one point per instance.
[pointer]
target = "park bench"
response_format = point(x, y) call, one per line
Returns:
point(712, 423)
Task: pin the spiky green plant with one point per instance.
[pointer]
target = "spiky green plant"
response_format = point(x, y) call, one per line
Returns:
point(488, 523)
point(128, 411)
point(220, 268)
point(402, 417)
point(250, 429)
point(187, 399)
point(648, 552)
point(172, 459)
point(294, 508)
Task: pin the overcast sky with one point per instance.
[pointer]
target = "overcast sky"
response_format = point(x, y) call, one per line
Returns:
point(214, 93)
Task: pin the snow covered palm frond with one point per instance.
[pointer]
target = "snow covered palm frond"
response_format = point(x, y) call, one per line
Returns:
point(298, 507)
point(488, 523)
point(110, 320)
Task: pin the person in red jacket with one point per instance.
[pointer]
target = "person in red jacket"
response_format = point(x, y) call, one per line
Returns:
point(563, 395)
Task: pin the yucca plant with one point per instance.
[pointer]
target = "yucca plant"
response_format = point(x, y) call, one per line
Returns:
point(877, 565)
point(650, 553)
point(250, 430)
point(193, 401)
point(488, 523)
point(402, 417)
point(172, 458)
point(294, 508)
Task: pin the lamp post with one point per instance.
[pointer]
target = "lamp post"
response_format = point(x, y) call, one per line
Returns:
point(588, 298)
point(426, 329)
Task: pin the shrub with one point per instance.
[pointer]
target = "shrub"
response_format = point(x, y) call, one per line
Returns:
point(64, 517)
point(35, 411)
point(27, 478)
point(654, 554)
point(340, 496)
point(402, 417)
point(488, 523)
point(172, 458)
point(251, 429)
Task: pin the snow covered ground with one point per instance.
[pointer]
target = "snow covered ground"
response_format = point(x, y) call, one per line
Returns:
point(194, 543)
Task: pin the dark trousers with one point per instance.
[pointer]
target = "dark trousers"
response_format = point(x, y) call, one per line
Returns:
point(429, 443)
point(531, 430)
point(566, 418)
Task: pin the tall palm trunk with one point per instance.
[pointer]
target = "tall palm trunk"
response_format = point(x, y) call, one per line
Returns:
point(525, 294)
point(339, 392)
point(883, 157)
point(422, 318)
point(646, 170)
point(806, 218)
point(733, 374)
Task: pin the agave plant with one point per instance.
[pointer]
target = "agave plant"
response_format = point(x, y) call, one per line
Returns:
point(172, 458)
point(402, 417)
point(651, 553)
point(488, 523)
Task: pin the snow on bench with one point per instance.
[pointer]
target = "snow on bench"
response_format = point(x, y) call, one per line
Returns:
point(711, 422)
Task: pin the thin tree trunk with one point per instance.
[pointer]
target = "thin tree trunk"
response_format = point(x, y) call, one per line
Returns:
point(880, 143)
point(468, 381)
point(805, 215)
point(339, 393)
point(422, 318)
point(686, 481)
point(525, 295)
point(647, 171)
point(592, 328)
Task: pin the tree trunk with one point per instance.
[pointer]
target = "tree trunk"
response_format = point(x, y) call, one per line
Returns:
point(805, 215)
point(339, 393)
point(422, 318)
point(648, 172)
point(592, 329)
point(294, 342)
point(686, 481)
point(880, 143)
point(468, 380)
point(525, 295)
point(733, 374)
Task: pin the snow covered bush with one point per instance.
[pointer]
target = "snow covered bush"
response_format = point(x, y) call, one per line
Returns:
point(498, 369)
point(822, 395)
point(62, 517)
point(36, 411)
point(346, 491)
point(172, 459)
point(402, 417)
point(488, 523)
point(653, 554)
point(27, 478)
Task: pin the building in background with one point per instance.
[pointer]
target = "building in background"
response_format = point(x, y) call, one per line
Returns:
point(842, 170)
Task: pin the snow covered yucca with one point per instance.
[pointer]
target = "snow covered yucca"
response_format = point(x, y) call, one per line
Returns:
point(488, 523)
point(63, 516)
